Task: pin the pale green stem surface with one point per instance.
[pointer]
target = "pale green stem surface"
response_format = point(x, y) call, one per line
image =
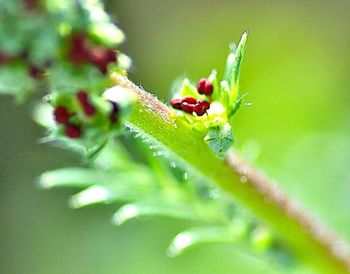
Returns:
point(309, 240)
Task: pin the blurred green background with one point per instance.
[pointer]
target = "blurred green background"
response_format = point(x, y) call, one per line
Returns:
point(296, 71)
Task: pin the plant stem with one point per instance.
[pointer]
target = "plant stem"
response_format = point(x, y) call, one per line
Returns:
point(306, 237)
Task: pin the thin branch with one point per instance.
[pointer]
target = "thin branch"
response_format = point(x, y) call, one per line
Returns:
point(310, 240)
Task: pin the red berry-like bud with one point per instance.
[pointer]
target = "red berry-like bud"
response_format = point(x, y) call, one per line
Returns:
point(201, 107)
point(198, 110)
point(73, 131)
point(186, 107)
point(201, 85)
point(83, 97)
point(89, 109)
point(101, 57)
point(176, 103)
point(204, 104)
point(35, 72)
point(112, 55)
point(189, 100)
point(204, 86)
point(78, 53)
point(61, 115)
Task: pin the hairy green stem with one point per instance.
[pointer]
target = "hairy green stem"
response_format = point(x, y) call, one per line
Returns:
point(310, 240)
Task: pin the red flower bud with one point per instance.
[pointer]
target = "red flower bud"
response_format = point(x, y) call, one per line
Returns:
point(201, 107)
point(176, 103)
point(83, 97)
point(198, 110)
point(89, 109)
point(186, 107)
point(36, 72)
point(205, 104)
point(61, 115)
point(78, 52)
point(101, 57)
point(204, 86)
point(73, 131)
point(189, 100)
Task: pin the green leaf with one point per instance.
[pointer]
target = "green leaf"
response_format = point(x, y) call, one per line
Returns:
point(233, 66)
point(220, 138)
point(14, 80)
point(230, 61)
point(225, 94)
point(236, 106)
point(43, 115)
point(75, 177)
point(214, 80)
point(261, 238)
point(187, 89)
point(83, 177)
point(107, 34)
point(66, 77)
point(155, 208)
point(44, 45)
point(211, 234)
point(123, 189)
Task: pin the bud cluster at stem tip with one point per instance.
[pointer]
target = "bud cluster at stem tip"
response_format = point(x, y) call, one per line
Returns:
point(82, 111)
point(210, 105)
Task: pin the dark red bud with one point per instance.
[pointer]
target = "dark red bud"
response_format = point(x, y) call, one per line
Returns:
point(201, 107)
point(36, 72)
point(89, 109)
point(83, 97)
point(198, 110)
point(112, 55)
point(189, 100)
point(186, 107)
point(61, 115)
point(201, 85)
point(204, 104)
point(78, 41)
point(176, 103)
point(78, 52)
point(101, 57)
point(204, 86)
point(73, 131)
point(208, 89)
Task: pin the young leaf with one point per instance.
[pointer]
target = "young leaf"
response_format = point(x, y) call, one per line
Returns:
point(211, 234)
point(155, 208)
point(187, 89)
point(236, 106)
point(73, 177)
point(15, 80)
point(106, 33)
point(233, 66)
point(220, 138)
point(121, 190)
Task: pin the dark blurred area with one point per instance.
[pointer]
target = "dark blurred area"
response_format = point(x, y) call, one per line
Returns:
point(295, 70)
